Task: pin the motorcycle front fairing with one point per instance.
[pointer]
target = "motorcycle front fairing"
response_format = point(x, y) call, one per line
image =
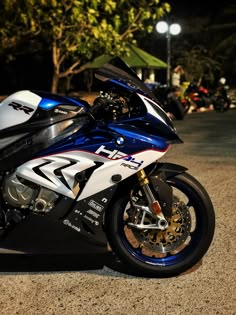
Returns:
point(147, 113)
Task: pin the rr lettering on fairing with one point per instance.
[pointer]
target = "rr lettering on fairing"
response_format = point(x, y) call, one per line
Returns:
point(115, 154)
point(27, 110)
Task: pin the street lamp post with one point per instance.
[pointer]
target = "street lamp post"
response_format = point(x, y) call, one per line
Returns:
point(173, 29)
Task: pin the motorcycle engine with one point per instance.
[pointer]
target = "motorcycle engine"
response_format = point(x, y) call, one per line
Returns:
point(23, 194)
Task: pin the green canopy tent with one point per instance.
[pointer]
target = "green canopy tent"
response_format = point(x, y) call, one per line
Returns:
point(137, 58)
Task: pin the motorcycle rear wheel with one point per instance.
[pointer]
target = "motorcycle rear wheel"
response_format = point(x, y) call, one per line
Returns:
point(171, 252)
point(221, 104)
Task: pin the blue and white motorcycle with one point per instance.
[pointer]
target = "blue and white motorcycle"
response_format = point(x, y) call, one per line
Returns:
point(76, 177)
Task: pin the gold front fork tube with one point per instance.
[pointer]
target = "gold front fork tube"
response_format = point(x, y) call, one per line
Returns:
point(153, 203)
point(143, 180)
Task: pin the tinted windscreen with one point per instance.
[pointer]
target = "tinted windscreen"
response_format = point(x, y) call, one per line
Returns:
point(116, 69)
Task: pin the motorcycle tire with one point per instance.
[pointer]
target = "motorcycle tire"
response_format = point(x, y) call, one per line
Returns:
point(186, 105)
point(175, 107)
point(221, 104)
point(168, 253)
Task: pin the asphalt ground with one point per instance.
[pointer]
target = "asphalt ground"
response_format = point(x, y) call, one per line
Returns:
point(209, 152)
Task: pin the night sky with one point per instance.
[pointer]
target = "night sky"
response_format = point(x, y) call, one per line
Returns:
point(187, 13)
point(187, 8)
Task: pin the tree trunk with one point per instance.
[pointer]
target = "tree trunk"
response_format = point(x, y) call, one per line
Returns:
point(68, 83)
point(56, 67)
point(55, 81)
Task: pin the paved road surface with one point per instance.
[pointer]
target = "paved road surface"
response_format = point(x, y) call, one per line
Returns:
point(209, 151)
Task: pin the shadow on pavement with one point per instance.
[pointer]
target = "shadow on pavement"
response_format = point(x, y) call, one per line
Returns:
point(38, 263)
point(70, 262)
point(13, 263)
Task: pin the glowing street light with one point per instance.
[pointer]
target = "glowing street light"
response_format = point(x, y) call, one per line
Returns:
point(173, 29)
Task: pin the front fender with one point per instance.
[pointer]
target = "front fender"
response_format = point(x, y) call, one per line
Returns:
point(168, 170)
point(158, 180)
point(158, 174)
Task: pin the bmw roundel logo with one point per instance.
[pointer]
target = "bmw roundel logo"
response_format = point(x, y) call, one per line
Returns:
point(120, 140)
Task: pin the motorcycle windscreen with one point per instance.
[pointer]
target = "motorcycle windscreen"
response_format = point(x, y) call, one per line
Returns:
point(117, 69)
point(120, 73)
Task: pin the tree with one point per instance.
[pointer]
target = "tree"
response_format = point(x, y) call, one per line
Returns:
point(208, 44)
point(223, 31)
point(199, 65)
point(77, 31)
point(17, 23)
point(224, 26)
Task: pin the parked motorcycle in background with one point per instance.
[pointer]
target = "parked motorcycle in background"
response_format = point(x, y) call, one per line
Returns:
point(169, 99)
point(221, 101)
point(198, 97)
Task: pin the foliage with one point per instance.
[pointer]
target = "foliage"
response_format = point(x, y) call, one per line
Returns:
point(225, 28)
point(199, 65)
point(76, 31)
point(16, 23)
point(208, 45)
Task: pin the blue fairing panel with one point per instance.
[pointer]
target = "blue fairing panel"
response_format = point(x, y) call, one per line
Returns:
point(92, 140)
point(50, 100)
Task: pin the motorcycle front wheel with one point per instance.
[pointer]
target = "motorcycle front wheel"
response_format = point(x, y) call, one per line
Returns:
point(169, 252)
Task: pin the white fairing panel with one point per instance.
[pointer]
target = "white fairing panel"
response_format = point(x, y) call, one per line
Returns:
point(18, 108)
point(58, 172)
point(147, 101)
point(102, 176)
